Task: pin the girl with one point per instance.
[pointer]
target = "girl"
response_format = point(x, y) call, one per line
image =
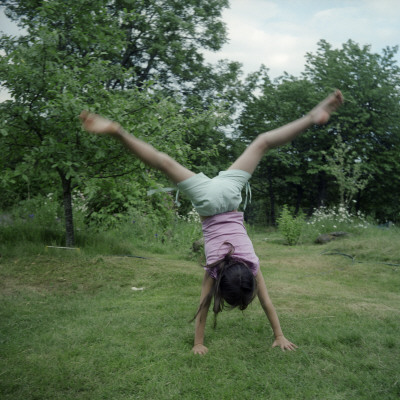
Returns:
point(232, 273)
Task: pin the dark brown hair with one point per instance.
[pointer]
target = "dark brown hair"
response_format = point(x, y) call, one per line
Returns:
point(235, 285)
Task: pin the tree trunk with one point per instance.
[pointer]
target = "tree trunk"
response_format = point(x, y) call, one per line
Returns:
point(271, 218)
point(67, 201)
point(321, 189)
point(299, 198)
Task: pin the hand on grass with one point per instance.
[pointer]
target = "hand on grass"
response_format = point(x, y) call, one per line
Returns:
point(200, 349)
point(284, 344)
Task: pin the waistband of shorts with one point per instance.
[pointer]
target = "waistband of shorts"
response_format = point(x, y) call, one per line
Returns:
point(198, 177)
point(236, 172)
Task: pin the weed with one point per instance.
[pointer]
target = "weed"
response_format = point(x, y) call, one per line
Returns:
point(290, 226)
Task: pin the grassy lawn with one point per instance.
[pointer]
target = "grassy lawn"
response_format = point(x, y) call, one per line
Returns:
point(71, 327)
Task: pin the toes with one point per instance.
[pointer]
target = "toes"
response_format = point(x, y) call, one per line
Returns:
point(339, 96)
point(83, 115)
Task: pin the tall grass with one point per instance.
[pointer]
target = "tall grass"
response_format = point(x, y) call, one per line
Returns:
point(36, 225)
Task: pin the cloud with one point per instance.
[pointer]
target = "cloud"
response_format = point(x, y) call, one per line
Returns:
point(255, 12)
point(279, 34)
point(253, 47)
point(388, 10)
point(4, 95)
point(258, 35)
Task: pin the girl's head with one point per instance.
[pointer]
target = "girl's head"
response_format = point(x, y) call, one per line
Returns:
point(235, 285)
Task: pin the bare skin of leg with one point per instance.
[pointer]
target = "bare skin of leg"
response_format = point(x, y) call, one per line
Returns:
point(319, 115)
point(98, 125)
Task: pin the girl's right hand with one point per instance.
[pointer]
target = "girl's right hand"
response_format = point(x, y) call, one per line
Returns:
point(284, 344)
point(200, 349)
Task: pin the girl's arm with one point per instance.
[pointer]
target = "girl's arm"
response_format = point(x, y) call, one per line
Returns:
point(201, 317)
point(269, 309)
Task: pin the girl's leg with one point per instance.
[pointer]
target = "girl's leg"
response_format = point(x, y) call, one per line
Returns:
point(250, 158)
point(145, 152)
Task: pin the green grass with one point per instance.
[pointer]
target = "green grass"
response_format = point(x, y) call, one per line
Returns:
point(72, 327)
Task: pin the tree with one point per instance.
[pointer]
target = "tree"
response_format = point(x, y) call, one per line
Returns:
point(345, 166)
point(162, 39)
point(369, 121)
point(286, 174)
point(49, 83)
point(67, 61)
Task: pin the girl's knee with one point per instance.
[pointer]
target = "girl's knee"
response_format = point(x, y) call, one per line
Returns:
point(262, 142)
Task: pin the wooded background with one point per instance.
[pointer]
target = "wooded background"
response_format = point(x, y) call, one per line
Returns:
point(140, 62)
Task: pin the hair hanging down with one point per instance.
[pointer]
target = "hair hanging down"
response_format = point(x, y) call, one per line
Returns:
point(235, 284)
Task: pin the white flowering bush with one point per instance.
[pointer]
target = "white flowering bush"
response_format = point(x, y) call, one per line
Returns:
point(79, 202)
point(188, 229)
point(327, 220)
point(191, 216)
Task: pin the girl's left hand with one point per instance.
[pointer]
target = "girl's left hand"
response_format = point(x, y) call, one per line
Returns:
point(200, 349)
point(284, 344)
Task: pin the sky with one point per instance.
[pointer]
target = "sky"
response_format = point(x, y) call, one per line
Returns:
point(279, 33)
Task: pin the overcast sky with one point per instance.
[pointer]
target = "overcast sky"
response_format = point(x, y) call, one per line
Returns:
point(279, 33)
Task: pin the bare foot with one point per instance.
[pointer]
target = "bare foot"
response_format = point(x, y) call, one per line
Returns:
point(96, 124)
point(321, 113)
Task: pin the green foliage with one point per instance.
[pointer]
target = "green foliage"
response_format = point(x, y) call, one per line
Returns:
point(288, 174)
point(140, 62)
point(36, 223)
point(102, 56)
point(346, 167)
point(139, 235)
point(31, 225)
point(368, 122)
point(107, 202)
point(290, 226)
point(52, 73)
point(156, 41)
point(297, 174)
point(44, 210)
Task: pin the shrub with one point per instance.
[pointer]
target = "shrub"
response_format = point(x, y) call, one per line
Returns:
point(290, 226)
